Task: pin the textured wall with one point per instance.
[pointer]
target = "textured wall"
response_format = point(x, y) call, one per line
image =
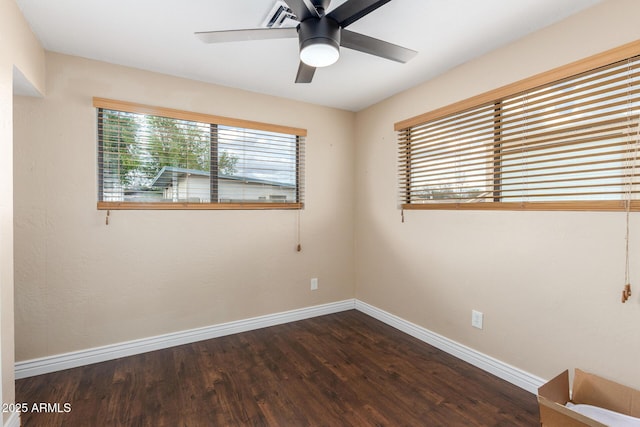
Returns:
point(82, 284)
point(548, 283)
point(19, 50)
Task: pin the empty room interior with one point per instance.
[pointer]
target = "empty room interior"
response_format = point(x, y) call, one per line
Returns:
point(112, 250)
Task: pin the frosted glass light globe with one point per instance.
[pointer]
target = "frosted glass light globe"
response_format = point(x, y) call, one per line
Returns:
point(319, 55)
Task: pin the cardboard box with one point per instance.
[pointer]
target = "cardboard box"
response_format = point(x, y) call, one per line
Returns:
point(587, 389)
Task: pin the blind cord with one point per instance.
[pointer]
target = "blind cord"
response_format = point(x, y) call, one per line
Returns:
point(524, 148)
point(626, 292)
point(633, 154)
point(298, 246)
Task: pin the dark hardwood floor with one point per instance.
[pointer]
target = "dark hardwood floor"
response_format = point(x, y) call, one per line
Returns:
point(344, 369)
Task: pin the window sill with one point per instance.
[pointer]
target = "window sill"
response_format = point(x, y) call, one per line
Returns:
point(602, 205)
point(196, 206)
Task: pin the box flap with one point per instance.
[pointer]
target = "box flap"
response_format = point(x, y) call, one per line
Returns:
point(591, 389)
point(557, 389)
point(553, 414)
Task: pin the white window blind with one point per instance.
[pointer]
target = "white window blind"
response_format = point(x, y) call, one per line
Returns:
point(567, 144)
point(156, 158)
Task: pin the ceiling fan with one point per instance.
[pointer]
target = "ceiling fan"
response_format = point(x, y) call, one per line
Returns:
point(320, 34)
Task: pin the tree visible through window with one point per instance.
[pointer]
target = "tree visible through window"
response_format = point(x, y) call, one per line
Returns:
point(159, 159)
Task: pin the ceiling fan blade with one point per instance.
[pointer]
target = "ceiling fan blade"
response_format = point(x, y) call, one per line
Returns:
point(349, 12)
point(244, 35)
point(376, 47)
point(305, 73)
point(303, 9)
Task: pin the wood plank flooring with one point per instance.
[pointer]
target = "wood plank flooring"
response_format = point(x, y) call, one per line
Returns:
point(344, 369)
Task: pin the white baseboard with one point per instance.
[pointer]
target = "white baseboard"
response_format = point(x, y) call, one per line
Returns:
point(13, 420)
point(44, 365)
point(500, 369)
point(75, 359)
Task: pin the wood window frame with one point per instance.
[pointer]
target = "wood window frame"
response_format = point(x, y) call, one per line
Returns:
point(611, 56)
point(213, 120)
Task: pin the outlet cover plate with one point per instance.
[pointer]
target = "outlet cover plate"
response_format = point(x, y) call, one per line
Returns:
point(476, 319)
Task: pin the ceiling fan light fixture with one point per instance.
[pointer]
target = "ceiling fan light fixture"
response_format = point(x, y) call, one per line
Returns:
point(320, 52)
point(320, 34)
point(319, 42)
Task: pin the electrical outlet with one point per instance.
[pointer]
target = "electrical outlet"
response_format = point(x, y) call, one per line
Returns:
point(314, 284)
point(476, 319)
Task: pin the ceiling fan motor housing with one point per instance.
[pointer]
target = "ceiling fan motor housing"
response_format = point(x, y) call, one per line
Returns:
point(323, 30)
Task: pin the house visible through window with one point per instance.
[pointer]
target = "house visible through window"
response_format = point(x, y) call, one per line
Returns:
point(571, 143)
point(159, 158)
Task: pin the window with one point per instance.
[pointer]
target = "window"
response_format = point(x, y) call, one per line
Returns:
point(157, 158)
point(550, 142)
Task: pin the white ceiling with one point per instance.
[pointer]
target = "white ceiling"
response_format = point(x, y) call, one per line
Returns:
point(157, 35)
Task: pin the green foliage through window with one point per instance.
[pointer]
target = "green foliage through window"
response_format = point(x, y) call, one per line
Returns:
point(150, 158)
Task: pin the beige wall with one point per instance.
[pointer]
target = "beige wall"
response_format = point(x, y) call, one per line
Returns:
point(19, 49)
point(548, 283)
point(82, 284)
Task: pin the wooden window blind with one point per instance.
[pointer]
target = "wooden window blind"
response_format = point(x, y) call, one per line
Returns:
point(570, 143)
point(158, 158)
